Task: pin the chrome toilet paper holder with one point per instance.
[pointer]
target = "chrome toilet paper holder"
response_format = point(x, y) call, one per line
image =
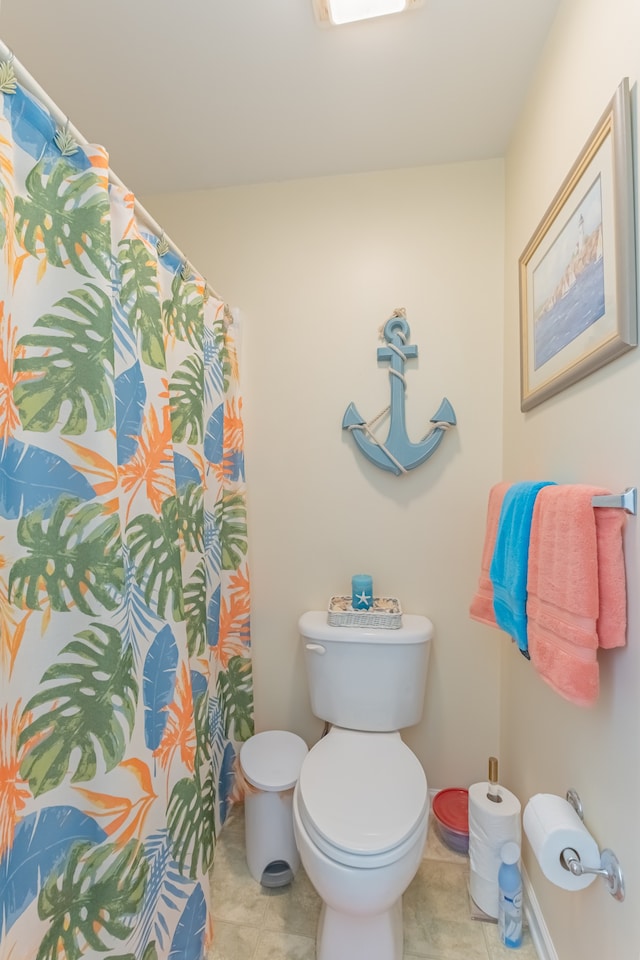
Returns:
point(609, 868)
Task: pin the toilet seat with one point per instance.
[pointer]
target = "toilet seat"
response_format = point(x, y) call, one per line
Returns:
point(362, 797)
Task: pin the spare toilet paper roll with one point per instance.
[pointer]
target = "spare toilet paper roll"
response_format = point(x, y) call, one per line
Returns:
point(552, 825)
point(491, 825)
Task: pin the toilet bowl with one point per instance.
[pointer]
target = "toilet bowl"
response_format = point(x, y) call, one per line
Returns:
point(360, 815)
point(360, 806)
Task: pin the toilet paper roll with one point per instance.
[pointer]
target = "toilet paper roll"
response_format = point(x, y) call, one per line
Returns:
point(491, 825)
point(551, 825)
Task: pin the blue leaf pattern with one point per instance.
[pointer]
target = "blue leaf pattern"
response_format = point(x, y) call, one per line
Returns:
point(187, 943)
point(31, 477)
point(166, 891)
point(159, 683)
point(213, 619)
point(185, 471)
point(42, 841)
point(226, 781)
point(135, 620)
point(213, 450)
point(235, 465)
point(131, 396)
point(199, 684)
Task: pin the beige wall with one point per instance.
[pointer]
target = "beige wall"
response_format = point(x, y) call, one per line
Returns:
point(317, 267)
point(590, 433)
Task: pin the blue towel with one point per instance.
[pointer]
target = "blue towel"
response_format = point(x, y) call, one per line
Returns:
point(510, 562)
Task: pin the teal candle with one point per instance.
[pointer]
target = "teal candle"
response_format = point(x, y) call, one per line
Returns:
point(361, 591)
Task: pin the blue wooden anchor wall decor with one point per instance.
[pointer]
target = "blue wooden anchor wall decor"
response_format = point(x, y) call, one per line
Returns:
point(397, 454)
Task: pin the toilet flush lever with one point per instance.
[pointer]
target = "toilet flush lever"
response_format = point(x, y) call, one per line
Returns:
point(316, 648)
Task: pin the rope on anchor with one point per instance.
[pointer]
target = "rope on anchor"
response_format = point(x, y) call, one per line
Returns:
point(438, 424)
point(392, 346)
point(367, 429)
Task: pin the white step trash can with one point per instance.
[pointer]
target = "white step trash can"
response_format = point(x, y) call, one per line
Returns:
point(270, 763)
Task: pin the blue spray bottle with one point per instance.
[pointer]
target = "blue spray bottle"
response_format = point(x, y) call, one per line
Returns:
point(510, 896)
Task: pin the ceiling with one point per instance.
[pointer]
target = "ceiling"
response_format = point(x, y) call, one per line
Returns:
point(209, 93)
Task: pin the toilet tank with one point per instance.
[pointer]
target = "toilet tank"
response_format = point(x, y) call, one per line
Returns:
point(366, 679)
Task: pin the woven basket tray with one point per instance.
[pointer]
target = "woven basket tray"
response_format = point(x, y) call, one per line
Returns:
point(384, 614)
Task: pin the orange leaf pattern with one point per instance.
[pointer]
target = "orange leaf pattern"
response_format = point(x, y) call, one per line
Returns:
point(150, 470)
point(127, 816)
point(179, 733)
point(9, 376)
point(14, 792)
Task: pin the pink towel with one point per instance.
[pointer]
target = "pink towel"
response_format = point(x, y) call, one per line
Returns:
point(576, 588)
point(481, 608)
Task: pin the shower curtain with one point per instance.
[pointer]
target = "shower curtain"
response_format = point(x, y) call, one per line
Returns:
point(125, 664)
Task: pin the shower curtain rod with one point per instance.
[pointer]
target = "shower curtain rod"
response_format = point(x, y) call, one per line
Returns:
point(31, 85)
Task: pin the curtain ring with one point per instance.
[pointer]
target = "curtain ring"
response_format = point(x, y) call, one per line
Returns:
point(8, 82)
point(65, 142)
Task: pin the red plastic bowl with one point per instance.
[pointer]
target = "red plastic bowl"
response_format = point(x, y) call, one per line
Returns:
point(451, 811)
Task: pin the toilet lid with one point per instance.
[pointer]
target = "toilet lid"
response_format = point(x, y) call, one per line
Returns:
point(362, 792)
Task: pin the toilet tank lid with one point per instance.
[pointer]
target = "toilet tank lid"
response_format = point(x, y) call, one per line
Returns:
point(415, 629)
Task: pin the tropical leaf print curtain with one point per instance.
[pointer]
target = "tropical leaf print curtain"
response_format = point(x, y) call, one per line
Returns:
point(124, 594)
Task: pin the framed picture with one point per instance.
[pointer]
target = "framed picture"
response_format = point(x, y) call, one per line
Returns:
point(578, 271)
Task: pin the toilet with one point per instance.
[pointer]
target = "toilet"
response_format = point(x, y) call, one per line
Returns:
point(361, 803)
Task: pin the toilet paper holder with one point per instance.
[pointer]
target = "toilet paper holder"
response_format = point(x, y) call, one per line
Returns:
point(609, 868)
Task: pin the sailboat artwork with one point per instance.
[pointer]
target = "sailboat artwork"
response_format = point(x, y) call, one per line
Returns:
point(568, 284)
point(398, 454)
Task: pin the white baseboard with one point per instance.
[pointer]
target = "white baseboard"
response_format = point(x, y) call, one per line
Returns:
point(537, 927)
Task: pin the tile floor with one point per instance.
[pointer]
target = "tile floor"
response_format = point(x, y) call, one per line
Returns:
point(252, 923)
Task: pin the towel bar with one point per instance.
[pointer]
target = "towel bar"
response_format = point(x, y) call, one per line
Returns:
point(627, 500)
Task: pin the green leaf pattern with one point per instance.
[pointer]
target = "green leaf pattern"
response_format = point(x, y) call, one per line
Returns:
point(92, 901)
point(187, 386)
point(235, 691)
point(155, 552)
point(191, 811)
point(103, 330)
point(139, 297)
point(63, 216)
point(183, 313)
point(73, 559)
point(72, 373)
point(85, 709)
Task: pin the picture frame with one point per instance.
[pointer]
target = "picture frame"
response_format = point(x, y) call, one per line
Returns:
point(577, 274)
